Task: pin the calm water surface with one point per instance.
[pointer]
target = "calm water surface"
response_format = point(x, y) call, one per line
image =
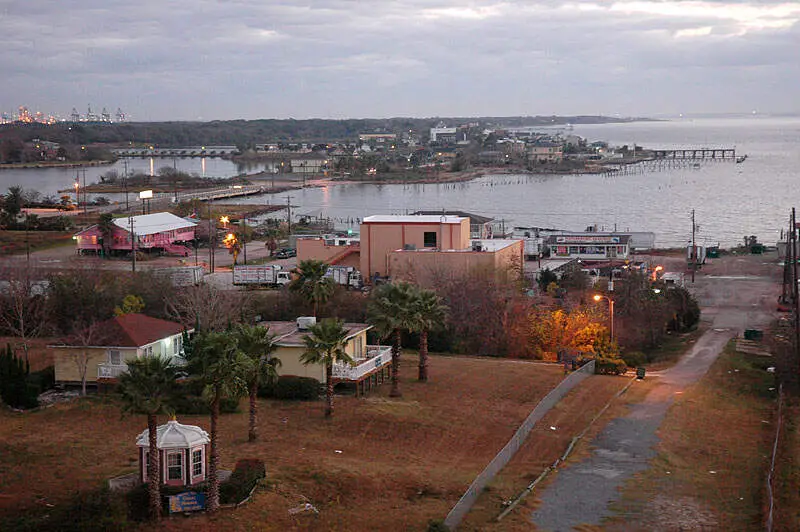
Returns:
point(731, 200)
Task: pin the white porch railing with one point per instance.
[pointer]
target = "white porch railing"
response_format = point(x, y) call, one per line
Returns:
point(110, 371)
point(376, 357)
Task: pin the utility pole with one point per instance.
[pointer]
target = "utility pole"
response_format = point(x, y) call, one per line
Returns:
point(211, 238)
point(125, 184)
point(694, 248)
point(796, 299)
point(84, 191)
point(244, 238)
point(133, 243)
point(289, 214)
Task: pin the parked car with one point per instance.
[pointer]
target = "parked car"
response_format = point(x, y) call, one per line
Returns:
point(285, 253)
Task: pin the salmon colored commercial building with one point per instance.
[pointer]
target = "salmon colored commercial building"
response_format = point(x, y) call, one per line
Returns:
point(383, 234)
point(422, 248)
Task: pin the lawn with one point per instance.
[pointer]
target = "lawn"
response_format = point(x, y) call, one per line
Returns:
point(18, 242)
point(378, 464)
point(713, 456)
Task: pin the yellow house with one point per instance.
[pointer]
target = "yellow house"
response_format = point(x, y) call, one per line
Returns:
point(100, 352)
point(370, 361)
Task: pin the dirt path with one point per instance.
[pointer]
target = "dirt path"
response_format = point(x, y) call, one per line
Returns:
point(734, 293)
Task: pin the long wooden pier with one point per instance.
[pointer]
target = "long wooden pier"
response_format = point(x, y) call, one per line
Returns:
point(694, 154)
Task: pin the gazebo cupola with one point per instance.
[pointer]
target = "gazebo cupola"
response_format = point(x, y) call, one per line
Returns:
point(183, 452)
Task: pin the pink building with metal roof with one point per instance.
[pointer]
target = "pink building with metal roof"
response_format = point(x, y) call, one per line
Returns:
point(159, 231)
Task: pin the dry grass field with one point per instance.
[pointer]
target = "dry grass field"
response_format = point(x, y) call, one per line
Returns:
point(547, 442)
point(378, 464)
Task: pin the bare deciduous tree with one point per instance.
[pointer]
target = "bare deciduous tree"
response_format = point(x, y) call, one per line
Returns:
point(208, 308)
point(23, 307)
point(84, 337)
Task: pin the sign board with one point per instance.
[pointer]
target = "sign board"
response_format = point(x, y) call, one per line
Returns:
point(188, 501)
point(145, 194)
point(593, 239)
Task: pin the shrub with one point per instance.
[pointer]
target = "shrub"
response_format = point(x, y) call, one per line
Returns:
point(15, 389)
point(191, 405)
point(189, 400)
point(294, 388)
point(245, 476)
point(610, 366)
point(88, 511)
point(634, 359)
point(437, 525)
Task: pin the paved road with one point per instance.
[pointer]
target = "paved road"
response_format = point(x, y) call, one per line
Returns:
point(66, 257)
point(735, 293)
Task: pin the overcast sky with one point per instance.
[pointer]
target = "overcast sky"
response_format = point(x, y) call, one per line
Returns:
point(181, 59)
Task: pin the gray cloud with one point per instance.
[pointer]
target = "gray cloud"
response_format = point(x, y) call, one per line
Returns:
point(340, 58)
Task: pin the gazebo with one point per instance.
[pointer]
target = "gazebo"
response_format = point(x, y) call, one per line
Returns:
point(183, 453)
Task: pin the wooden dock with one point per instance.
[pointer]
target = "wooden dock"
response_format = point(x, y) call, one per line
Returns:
point(222, 193)
point(693, 154)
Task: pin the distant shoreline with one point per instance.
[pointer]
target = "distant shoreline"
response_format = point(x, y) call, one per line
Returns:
point(52, 164)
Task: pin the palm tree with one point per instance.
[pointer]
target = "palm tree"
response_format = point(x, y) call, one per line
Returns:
point(258, 344)
point(392, 311)
point(220, 365)
point(430, 313)
point(311, 283)
point(106, 227)
point(326, 345)
point(148, 388)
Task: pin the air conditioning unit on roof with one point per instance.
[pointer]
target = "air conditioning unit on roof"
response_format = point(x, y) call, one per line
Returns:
point(304, 322)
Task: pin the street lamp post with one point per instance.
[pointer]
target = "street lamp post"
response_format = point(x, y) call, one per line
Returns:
point(598, 297)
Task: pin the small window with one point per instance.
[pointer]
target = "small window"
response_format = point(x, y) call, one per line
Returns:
point(114, 357)
point(197, 463)
point(174, 466)
point(429, 239)
point(176, 345)
point(148, 351)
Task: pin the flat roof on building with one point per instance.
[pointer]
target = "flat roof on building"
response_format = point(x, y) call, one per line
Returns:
point(588, 238)
point(552, 264)
point(413, 219)
point(494, 244)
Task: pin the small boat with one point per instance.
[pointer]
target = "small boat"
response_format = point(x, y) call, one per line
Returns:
point(741, 159)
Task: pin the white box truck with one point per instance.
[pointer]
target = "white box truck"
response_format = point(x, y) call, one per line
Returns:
point(261, 275)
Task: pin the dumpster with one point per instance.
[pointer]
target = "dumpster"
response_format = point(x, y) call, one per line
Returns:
point(713, 253)
point(640, 373)
point(753, 334)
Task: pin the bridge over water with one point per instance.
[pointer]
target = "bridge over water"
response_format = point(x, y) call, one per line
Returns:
point(187, 151)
